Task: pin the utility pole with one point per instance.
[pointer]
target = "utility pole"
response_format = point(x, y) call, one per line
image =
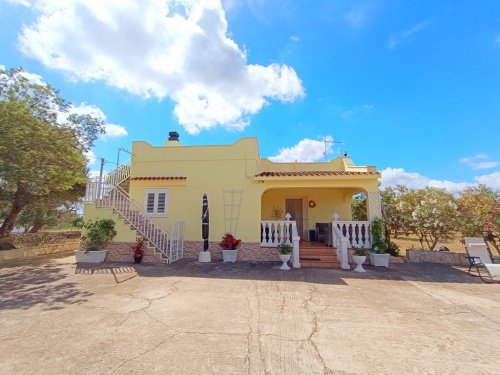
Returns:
point(329, 141)
point(99, 184)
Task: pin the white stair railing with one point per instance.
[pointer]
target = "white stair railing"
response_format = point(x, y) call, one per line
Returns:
point(170, 245)
point(296, 246)
point(94, 190)
point(116, 177)
point(341, 244)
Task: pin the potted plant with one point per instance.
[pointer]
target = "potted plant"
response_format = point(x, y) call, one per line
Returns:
point(138, 249)
point(285, 250)
point(378, 255)
point(359, 257)
point(229, 245)
point(97, 235)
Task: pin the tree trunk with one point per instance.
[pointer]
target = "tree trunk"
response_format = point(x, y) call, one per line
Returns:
point(39, 220)
point(10, 220)
point(387, 231)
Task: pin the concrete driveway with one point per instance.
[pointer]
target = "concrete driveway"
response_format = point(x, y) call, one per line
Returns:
point(189, 318)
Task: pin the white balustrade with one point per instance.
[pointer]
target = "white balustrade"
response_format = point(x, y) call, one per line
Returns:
point(274, 232)
point(120, 174)
point(358, 233)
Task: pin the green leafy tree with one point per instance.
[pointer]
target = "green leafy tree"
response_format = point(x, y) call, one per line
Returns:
point(358, 208)
point(41, 146)
point(431, 213)
point(392, 213)
point(479, 208)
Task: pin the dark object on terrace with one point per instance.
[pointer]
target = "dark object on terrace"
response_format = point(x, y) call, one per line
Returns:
point(205, 223)
point(443, 248)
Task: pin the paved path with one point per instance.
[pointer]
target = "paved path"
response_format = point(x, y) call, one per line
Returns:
point(190, 318)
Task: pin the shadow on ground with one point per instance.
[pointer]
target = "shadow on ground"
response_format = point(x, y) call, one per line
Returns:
point(426, 272)
point(40, 280)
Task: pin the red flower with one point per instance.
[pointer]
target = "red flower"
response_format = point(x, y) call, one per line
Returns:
point(229, 242)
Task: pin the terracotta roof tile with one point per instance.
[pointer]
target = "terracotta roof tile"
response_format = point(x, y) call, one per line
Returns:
point(158, 178)
point(315, 173)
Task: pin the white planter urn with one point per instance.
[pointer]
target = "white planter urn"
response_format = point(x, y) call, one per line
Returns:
point(229, 255)
point(96, 256)
point(379, 260)
point(359, 260)
point(285, 258)
point(204, 257)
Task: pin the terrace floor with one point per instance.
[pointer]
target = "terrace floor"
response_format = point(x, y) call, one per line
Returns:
point(243, 318)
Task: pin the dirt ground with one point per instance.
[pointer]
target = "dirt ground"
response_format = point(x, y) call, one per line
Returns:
point(408, 242)
point(57, 317)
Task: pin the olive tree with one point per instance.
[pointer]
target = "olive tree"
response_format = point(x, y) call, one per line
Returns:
point(41, 145)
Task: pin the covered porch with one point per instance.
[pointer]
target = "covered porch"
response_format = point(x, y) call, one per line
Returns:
point(312, 218)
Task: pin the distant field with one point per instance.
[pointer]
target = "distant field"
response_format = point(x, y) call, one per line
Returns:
point(407, 242)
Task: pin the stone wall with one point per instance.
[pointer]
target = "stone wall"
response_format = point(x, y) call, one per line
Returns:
point(120, 252)
point(248, 251)
point(50, 248)
point(443, 257)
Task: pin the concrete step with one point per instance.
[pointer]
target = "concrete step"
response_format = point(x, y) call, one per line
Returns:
point(317, 251)
point(319, 258)
point(307, 263)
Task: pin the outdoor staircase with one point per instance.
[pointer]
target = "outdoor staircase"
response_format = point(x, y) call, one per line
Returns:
point(112, 192)
point(314, 254)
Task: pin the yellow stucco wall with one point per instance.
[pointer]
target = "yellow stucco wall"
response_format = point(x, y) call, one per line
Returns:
point(124, 233)
point(213, 169)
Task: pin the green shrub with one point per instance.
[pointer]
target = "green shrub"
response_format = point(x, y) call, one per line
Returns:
point(393, 249)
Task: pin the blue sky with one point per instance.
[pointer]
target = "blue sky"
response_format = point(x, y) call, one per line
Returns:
point(412, 87)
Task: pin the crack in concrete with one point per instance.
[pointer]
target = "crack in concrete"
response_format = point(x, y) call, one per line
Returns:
point(143, 353)
point(250, 330)
point(254, 332)
point(315, 329)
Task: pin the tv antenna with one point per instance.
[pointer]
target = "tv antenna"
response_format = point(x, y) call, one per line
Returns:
point(118, 156)
point(326, 144)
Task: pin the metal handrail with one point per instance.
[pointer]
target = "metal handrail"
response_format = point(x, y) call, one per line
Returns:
point(116, 198)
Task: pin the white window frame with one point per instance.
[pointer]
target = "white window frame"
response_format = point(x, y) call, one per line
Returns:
point(156, 193)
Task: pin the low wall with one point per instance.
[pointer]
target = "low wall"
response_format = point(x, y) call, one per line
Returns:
point(120, 252)
point(248, 251)
point(52, 248)
point(443, 257)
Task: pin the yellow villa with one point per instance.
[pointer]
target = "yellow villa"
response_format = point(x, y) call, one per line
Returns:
point(159, 196)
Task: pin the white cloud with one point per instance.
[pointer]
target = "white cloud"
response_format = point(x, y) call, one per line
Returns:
point(90, 157)
point(32, 77)
point(479, 161)
point(492, 180)
point(398, 176)
point(159, 48)
point(307, 150)
point(114, 131)
point(111, 130)
point(26, 3)
point(295, 38)
point(358, 15)
point(406, 35)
